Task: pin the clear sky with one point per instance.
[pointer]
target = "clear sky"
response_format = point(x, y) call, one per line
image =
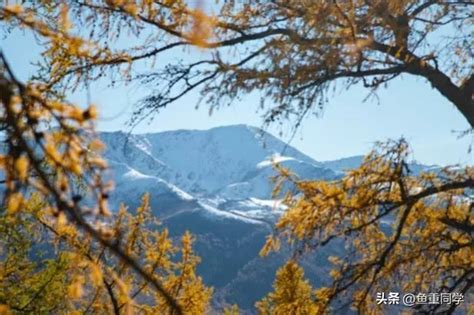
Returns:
point(409, 107)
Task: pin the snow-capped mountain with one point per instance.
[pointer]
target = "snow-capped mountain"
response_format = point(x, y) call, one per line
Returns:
point(200, 162)
point(216, 183)
point(189, 169)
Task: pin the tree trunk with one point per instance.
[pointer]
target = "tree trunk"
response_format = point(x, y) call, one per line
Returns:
point(461, 97)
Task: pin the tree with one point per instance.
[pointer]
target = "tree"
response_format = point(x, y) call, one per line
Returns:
point(26, 276)
point(401, 232)
point(48, 266)
point(293, 294)
point(50, 147)
point(292, 52)
point(49, 162)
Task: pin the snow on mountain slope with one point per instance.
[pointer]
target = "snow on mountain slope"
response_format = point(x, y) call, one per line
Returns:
point(183, 169)
point(200, 162)
point(276, 158)
point(165, 198)
point(133, 151)
point(257, 182)
point(344, 164)
point(259, 209)
point(348, 163)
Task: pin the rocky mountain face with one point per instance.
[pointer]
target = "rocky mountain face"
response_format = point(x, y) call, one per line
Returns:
point(216, 183)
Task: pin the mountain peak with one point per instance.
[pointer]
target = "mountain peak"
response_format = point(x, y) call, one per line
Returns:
point(199, 160)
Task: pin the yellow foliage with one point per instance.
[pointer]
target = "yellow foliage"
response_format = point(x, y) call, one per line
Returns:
point(95, 274)
point(202, 27)
point(85, 275)
point(14, 204)
point(232, 310)
point(292, 294)
point(299, 48)
point(21, 166)
point(75, 290)
point(4, 310)
point(271, 244)
point(399, 230)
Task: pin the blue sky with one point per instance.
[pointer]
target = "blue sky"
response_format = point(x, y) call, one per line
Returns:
point(409, 107)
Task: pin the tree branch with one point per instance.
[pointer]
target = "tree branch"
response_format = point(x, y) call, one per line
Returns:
point(110, 291)
point(351, 74)
point(461, 97)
